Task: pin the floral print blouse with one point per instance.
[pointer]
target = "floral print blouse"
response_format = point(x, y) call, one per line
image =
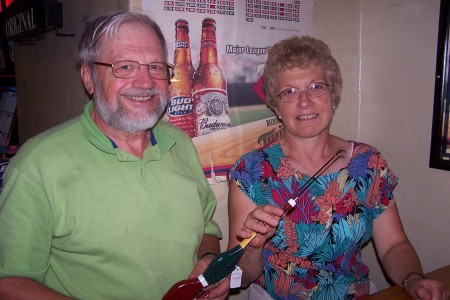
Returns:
point(316, 250)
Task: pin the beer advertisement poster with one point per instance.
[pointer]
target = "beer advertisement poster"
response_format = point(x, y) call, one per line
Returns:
point(218, 49)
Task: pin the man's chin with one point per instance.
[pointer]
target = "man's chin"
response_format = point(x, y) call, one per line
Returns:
point(144, 124)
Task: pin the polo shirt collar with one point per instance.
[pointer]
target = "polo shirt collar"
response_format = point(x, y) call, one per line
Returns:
point(161, 142)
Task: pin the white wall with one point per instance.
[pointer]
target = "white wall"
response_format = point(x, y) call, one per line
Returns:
point(398, 62)
point(387, 51)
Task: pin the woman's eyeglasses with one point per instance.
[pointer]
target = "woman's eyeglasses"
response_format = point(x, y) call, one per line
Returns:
point(313, 90)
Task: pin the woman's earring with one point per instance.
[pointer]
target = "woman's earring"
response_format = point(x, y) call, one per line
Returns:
point(334, 105)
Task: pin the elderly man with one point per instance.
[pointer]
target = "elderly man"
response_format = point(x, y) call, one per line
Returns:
point(113, 204)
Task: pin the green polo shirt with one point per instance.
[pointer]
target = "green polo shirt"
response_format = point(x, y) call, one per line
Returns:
point(94, 222)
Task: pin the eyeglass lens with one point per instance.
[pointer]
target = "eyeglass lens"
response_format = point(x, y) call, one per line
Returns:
point(129, 69)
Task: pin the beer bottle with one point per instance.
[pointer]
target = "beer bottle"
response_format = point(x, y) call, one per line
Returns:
point(210, 87)
point(180, 109)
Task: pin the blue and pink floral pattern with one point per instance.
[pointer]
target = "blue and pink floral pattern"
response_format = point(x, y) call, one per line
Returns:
point(316, 250)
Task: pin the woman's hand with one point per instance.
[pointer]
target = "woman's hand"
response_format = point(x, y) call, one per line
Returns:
point(263, 219)
point(426, 289)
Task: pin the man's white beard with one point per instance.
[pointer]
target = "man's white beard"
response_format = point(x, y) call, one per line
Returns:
point(118, 116)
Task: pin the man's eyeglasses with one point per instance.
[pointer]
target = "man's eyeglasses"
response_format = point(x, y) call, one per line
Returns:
point(130, 68)
point(313, 90)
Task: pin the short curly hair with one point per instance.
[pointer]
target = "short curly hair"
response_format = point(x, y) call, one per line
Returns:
point(300, 52)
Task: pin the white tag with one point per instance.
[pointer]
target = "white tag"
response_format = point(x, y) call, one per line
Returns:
point(236, 277)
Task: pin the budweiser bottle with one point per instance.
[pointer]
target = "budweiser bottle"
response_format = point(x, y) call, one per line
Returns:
point(210, 87)
point(180, 109)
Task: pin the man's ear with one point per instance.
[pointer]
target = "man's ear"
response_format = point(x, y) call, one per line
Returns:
point(86, 76)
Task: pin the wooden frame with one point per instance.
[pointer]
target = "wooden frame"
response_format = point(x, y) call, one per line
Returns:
point(440, 135)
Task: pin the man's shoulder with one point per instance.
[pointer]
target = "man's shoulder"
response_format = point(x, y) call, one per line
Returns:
point(53, 138)
point(61, 131)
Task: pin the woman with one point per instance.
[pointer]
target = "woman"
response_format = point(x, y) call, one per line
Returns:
point(314, 252)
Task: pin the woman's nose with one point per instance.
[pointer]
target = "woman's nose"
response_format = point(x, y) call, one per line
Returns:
point(304, 100)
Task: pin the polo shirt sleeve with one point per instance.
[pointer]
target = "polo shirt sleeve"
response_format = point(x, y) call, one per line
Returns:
point(25, 225)
point(211, 227)
point(207, 197)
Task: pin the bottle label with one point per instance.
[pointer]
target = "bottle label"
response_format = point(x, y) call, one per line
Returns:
point(208, 43)
point(180, 111)
point(211, 111)
point(181, 44)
